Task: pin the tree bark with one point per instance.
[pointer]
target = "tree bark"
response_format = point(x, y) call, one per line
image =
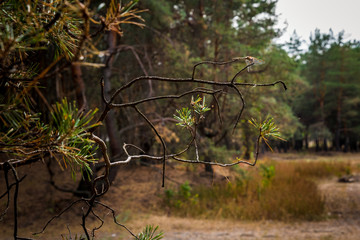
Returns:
point(79, 86)
point(317, 145)
point(84, 187)
point(110, 121)
point(325, 147)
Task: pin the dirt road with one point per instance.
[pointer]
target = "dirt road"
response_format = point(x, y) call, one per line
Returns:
point(195, 229)
point(322, 230)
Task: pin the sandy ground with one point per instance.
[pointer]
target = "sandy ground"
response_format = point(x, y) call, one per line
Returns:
point(181, 229)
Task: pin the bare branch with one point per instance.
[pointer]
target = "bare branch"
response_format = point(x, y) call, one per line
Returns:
point(130, 104)
point(101, 224)
point(160, 138)
point(215, 63)
point(114, 218)
point(8, 166)
point(242, 107)
point(262, 85)
point(59, 215)
point(102, 83)
point(238, 73)
point(104, 177)
point(8, 187)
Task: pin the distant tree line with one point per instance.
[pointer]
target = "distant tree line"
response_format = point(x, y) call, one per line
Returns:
point(329, 106)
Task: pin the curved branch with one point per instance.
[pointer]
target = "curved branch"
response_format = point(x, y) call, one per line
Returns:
point(160, 138)
point(218, 108)
point(242, 108)
point(110, 103)
point(185, 80)
point(226, 164)
point(8, 187)
point(174, 156)
point(102, 84)
point(215, 63)
point(130, 104)
point(114, 218)
point(262, 85)
point(105, 177)
point(238, 73)
point(101, 224)
point(58, 215)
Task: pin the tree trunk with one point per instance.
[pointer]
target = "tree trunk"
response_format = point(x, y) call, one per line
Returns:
point(347, 143)
point(59, 85)
point(110, 121)
point(79, 86)
point(317, 145)
point(338, 122)
point(339, 105)
point(84, 187)
point(325, 147)
point(320, 92)
point(208, 168)
point(306, 138)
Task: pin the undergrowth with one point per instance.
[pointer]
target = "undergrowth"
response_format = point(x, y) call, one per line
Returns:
point(274, 190)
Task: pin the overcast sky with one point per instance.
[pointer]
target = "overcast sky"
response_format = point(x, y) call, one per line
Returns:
point(306, 15)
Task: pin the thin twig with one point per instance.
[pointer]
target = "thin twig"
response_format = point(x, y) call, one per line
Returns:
point(130, 104)
point(101, 224)
point(160, 138)
point(242, 107)
point(105, 177)
point(214, 63)
point(16, 193)
point(59, 214)
point(175, 157)
point(8, 187)
point(114, 218)
point(238, 73)
point(90, 204)
point(102, 83)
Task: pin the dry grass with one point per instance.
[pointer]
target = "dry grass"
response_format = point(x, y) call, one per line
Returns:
point(277, 190)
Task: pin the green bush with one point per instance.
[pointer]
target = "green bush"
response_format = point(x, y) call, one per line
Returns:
point(183, 197)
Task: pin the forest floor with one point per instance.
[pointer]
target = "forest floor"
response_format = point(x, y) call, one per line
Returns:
point(136, 195)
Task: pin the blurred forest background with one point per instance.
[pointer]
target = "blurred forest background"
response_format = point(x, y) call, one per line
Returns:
point(319, 111)
point(53, 50)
